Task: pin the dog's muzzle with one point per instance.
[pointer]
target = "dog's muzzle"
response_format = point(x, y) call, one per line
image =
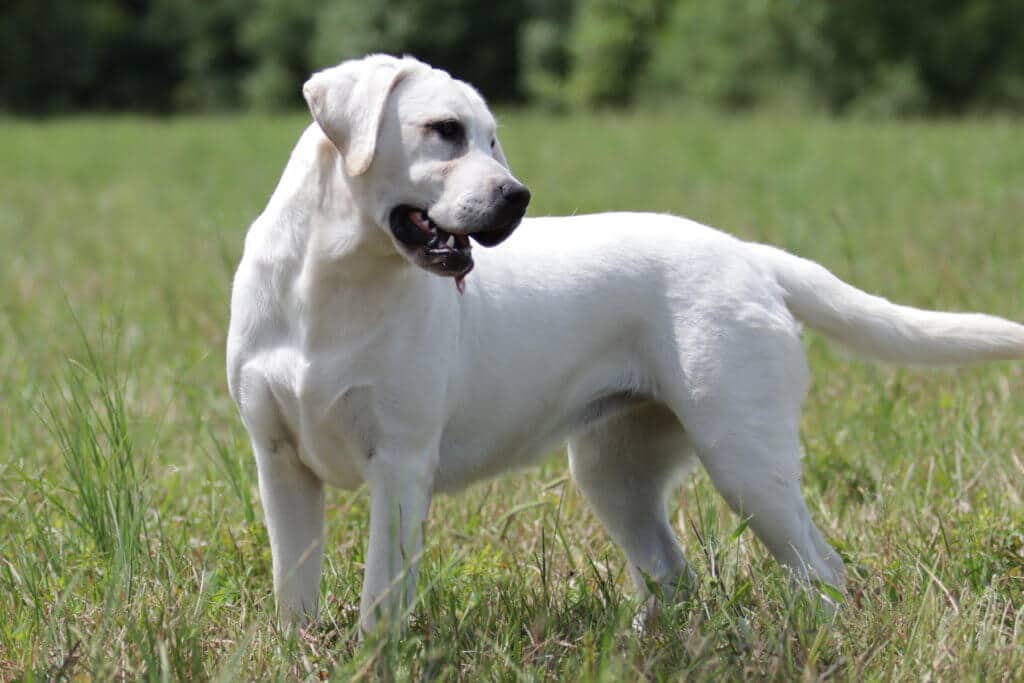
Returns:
point(446, 252)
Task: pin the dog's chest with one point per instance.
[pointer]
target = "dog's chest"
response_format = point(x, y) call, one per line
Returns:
point(339, 430)
point(329, 417)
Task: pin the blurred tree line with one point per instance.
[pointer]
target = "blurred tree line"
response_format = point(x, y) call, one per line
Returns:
point(872, 56)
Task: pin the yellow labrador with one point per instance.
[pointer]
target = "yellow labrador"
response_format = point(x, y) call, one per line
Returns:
point(363, 349)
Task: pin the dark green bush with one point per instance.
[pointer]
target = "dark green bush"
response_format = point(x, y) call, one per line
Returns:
point(873, 57)
point(957, 55)
point(478, 42)
point(610, 45)
point(729, 53)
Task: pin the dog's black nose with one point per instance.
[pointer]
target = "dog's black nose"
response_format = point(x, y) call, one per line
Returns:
point(515, 194)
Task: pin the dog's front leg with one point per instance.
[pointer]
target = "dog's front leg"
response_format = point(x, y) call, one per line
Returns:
point(293, 505)
point(399, 498)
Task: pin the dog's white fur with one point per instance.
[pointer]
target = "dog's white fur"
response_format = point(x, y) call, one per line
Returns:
point(648, 341)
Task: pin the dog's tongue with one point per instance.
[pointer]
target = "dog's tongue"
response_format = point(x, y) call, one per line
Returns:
point(460, 283)
point(419, 219)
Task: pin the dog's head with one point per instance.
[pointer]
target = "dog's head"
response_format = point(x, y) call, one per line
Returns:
point(422, 151)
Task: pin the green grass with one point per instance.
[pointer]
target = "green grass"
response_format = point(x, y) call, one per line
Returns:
point(131, 539)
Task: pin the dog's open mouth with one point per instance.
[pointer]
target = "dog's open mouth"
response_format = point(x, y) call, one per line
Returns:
point(441, 251)
point(431, 246)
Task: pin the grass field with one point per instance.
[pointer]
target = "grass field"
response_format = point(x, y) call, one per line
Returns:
point(131, 537)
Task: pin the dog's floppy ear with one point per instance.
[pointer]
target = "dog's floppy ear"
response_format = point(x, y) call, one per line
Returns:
point(348, 101)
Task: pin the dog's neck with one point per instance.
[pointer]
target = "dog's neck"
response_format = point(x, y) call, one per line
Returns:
point(317, 249)
point(329, 237)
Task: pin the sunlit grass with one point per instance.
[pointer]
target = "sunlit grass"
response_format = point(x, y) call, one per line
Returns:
point(131, 539)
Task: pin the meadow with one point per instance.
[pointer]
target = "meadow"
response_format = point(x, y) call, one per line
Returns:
point(131, 536)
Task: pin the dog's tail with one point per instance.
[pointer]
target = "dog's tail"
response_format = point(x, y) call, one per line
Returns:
point(877, 328)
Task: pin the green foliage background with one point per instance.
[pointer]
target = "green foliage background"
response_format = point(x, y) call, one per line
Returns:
point(869, 57)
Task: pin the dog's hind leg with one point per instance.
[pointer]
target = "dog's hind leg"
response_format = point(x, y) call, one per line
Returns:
point(744, 426)
point(625, 466)
point(757, 471)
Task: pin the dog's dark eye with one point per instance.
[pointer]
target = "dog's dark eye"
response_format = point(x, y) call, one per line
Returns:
point(494, 141)
point(450, 130)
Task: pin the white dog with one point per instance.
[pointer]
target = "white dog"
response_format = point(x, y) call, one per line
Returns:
point(360, 351)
